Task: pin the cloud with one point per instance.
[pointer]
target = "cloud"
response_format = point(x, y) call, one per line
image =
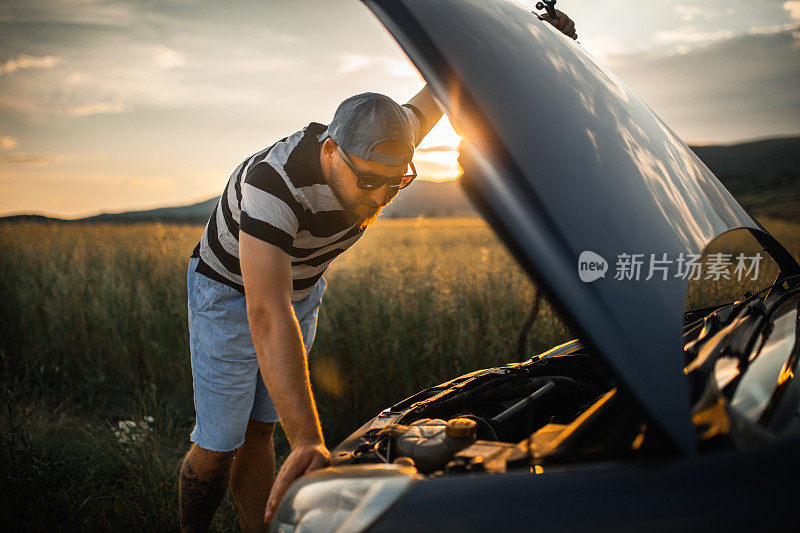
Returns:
point(247, 62)
point(444, 157)
point(22, 159)
point(773, 30)
point(352, 63)
point(7, 143)
point(127, 75)
point(75, 12)
point(793, 8)
point(725, 90)
point(436, 170)
point(690, 13)
point(25, 61)
point(97, 108)
point(687, 13)
point(167, 58)
point(685, 35)
point(439, 148)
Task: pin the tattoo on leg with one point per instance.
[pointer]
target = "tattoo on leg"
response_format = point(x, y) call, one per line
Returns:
point(199, 499)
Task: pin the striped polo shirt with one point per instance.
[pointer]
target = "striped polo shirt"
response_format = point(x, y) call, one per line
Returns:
point(280, 196)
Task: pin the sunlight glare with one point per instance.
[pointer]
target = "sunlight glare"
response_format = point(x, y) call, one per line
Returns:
point(436, 157)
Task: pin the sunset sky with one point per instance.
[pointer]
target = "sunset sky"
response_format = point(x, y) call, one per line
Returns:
point(116, 105)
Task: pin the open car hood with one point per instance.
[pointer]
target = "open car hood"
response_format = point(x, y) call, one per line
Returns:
point(562, 157)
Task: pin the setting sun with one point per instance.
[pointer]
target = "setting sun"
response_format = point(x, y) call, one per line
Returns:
point(437, 155)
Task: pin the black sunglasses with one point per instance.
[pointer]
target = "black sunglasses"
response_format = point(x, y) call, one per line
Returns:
point(369, 182)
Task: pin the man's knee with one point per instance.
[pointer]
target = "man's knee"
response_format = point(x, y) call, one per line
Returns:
point(261, 430)
point(207, 464)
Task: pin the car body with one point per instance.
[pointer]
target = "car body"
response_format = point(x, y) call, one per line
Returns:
point(655, 418)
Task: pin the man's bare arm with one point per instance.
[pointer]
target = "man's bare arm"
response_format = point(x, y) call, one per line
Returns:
point(429, 107)
point(267, 275)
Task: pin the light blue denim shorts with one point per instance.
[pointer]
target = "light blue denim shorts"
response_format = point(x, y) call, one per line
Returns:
point(228, 389)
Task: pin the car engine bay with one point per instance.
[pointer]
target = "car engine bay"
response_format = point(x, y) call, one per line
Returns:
point(565, 406)
point(518, 416)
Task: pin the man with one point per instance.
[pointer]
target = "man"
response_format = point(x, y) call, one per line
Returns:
point(284, 215)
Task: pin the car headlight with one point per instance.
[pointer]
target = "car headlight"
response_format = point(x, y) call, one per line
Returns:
point(343, 498)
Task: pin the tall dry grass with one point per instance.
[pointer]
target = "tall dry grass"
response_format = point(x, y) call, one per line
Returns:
point(93, 331)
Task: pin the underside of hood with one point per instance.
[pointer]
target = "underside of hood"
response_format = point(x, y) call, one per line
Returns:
point(563, 158)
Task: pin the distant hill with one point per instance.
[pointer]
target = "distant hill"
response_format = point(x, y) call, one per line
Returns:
point(764, 176)
point(31, 218)
point(187, 214)
point(769, 156)
point(430, 199)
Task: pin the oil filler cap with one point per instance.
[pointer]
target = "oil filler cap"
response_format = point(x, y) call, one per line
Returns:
point(460, 428)
point(405, 461)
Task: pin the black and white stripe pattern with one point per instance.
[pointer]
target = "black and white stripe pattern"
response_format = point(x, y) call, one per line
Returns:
point(280, 196)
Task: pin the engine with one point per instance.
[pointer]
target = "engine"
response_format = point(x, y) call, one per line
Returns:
point(553, 409)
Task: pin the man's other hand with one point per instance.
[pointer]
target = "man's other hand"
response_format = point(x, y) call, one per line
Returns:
point(563, 23)
point(302, 459)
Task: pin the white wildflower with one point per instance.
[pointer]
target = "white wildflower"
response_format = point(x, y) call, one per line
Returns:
point(133, 431)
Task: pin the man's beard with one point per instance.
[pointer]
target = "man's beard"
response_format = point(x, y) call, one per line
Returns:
point(351, 205)
point(371, 218)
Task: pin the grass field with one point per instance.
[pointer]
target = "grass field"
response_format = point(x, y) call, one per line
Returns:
point(95, 385)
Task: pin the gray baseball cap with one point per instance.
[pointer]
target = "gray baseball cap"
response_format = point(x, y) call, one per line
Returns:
point(365, 120)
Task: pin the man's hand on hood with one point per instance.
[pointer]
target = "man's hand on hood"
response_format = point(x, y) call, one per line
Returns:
point(563, 23)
